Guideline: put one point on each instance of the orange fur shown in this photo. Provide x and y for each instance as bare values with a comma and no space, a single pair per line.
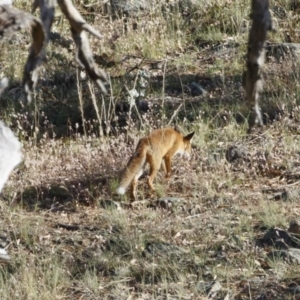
156,149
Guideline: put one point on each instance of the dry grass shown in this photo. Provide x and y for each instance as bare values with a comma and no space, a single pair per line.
71,237
208,234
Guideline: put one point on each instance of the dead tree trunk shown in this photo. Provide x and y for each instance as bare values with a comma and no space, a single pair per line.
261,23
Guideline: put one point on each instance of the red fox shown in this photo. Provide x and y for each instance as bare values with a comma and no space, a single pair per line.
156,149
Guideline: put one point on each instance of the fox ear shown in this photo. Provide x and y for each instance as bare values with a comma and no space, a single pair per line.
189,136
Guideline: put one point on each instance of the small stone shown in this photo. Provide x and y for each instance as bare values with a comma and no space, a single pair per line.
277,237
236,153
294,228
109,204
4,255
196,89
292,255
294,289
214,290
167,202
163,248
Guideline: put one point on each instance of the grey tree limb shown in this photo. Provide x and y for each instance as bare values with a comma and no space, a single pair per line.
12,20
83,55
253,81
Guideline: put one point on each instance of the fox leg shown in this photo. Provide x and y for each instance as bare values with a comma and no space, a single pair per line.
163,166
154,167
134,183
132,191
167,160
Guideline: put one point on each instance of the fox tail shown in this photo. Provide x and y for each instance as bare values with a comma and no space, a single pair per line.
134,166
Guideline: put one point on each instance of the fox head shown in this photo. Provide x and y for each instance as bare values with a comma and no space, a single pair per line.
187,144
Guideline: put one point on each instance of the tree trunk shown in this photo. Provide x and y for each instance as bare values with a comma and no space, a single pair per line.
252,77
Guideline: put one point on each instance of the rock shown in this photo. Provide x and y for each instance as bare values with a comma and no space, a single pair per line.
196,89
225,49
132,96
294,289
141,83
223,118
281,195
167,202
292,195
236,153
294,228
214,157
185,8
211,288
4,242
163,248
128,7
285,195
282,51
292,255
109,204
280,239
133,8
4,255
142,105
214,290
275,234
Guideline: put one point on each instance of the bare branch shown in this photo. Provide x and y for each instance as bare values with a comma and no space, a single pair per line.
76,21
31,70
84,55
255,58
12,20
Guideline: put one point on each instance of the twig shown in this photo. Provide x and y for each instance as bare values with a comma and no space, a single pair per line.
174,114
79,90
164,83
96,108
